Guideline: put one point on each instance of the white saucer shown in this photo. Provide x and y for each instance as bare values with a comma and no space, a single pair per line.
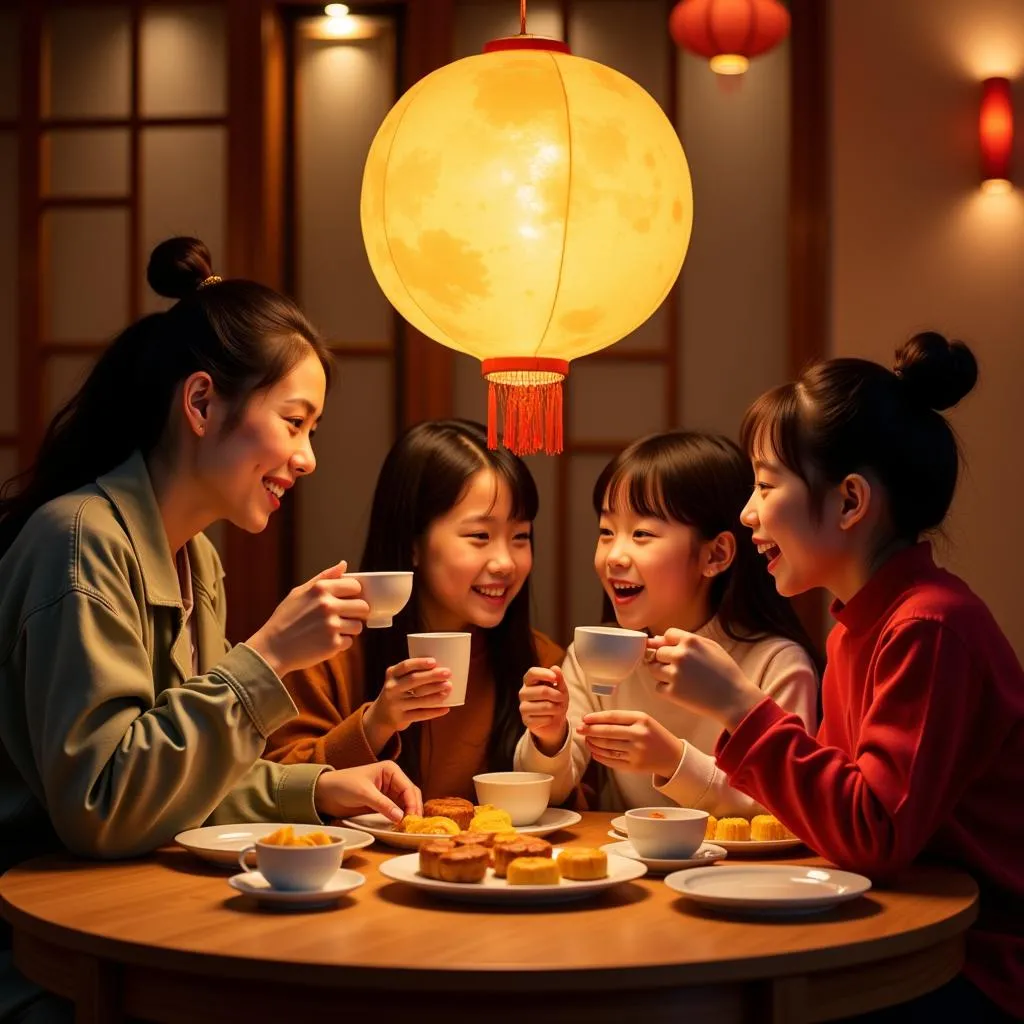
706,854
553,819
252,883
768,889
221,844
497,890
734,847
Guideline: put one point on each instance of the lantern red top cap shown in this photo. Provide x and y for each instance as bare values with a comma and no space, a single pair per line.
711,28
526,42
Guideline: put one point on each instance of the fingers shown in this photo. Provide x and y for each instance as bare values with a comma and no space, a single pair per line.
403,668
606,732
420,682
547,676
400,788
543,695
332,572
613,717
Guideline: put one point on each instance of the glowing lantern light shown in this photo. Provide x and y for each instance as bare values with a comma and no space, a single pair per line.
526,207
728,32
995,130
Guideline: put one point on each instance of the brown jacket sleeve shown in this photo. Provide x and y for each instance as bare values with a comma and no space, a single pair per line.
548,652
329,726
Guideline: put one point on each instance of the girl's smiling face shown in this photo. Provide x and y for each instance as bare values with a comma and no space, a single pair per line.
473,560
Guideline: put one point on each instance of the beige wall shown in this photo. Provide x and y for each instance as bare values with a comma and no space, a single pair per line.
917,245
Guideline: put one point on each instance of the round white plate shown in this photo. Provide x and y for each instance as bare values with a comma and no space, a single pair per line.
252,883
553,819
706,854
734,847
768,888
221,844
497,890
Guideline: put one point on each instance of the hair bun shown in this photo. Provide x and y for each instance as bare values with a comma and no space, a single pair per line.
178,266
937,372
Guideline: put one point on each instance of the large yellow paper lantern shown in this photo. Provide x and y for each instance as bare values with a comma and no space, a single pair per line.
527,207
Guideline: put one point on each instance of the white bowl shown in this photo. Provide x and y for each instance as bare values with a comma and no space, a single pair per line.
387,593
677,834
608,654
524,795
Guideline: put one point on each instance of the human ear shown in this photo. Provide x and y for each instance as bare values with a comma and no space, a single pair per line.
197,396
855,500
718,554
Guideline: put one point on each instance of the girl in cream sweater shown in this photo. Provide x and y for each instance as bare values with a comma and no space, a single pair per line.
667,554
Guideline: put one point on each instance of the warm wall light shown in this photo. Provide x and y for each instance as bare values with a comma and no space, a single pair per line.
336,10
728,32
995,133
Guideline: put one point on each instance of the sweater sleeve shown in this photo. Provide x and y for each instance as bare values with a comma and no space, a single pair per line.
791,681
328,728
875,811
568,764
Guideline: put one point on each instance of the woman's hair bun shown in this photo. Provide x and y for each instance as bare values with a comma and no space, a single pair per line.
178,266
936,372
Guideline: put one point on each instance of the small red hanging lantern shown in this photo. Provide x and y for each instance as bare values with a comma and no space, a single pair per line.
728,32
995,132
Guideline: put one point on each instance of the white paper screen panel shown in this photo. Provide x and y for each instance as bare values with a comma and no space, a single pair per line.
86,271
8,282
183,62
88,162
90,62
344,89
350,445
184,175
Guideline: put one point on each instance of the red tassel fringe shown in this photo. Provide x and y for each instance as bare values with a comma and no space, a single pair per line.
531,417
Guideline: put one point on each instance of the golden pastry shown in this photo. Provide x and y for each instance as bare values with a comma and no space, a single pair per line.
533,871
463,864
430,856
410,823
583,864
285,836
491,821
524,846
437,826
481,839
765,828
460,811
712,825
733,829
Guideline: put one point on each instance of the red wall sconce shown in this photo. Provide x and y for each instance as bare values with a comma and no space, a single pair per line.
728,32
995,134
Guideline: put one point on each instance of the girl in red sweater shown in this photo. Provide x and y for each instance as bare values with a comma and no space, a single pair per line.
921,744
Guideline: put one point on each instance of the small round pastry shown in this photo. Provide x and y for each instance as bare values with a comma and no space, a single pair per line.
523,846
460,811
766,827
430,856
733,830
583,864
491,821
438,826
464,864
712,825
533,871
481,839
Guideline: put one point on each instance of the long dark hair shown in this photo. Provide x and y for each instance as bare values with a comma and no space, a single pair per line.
850,415
704,481
423,477
244,335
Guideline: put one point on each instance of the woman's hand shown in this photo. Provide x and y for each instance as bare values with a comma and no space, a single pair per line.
317,619
544,707
411,692
695,672
631,741
381,786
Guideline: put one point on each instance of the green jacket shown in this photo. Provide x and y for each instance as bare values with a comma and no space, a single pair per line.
107,739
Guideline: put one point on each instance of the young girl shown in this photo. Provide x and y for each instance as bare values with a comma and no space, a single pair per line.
460,516
667,554
921,746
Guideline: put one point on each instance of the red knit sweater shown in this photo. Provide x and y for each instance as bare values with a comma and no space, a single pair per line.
920,751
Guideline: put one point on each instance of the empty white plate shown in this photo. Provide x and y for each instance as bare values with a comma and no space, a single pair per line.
768,888
221,844
252,883
706,854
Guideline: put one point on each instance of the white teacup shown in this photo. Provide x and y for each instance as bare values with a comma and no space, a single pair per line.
675,834
524,795
608,654
387,593
450,651
295,868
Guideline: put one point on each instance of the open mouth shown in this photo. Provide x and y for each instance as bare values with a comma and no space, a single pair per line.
624,591
275,490
771,552
494,594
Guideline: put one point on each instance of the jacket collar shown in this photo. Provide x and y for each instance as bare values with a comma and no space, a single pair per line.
130,491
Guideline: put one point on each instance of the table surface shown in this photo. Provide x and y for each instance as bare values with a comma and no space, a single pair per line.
174,911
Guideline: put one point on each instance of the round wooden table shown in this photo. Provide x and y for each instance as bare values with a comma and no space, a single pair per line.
166,939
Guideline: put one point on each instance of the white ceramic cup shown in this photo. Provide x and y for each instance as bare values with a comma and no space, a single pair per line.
450,651
387,593
608,654
524,795
676,835
295,868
